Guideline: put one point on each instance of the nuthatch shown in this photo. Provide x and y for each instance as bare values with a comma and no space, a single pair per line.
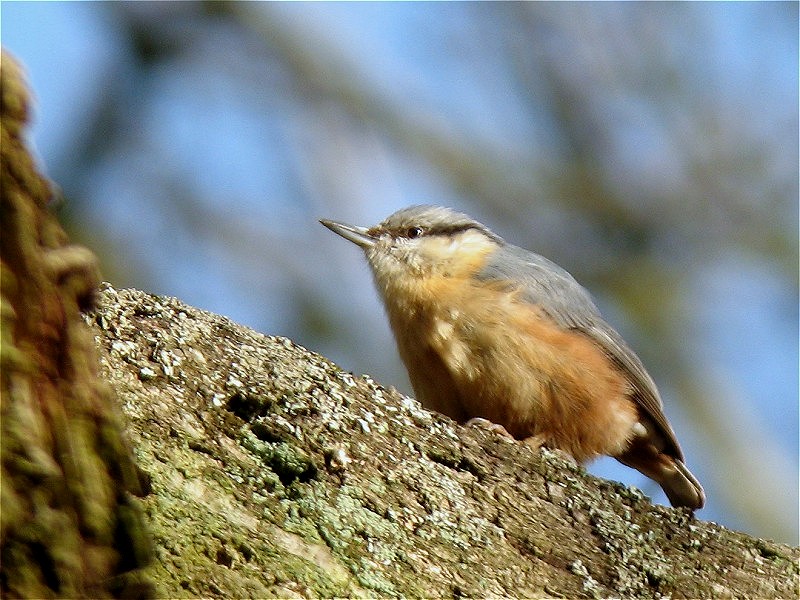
489,330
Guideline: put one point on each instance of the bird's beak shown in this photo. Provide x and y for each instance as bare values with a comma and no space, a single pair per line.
357,235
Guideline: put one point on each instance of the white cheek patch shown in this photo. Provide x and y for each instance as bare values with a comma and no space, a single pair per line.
460,244
470,241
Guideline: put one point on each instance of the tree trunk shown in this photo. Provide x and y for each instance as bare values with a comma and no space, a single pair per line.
68,526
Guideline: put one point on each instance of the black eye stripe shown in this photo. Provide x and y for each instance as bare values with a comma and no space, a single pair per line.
455,229
415,231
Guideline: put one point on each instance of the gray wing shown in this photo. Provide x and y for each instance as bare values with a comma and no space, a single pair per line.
564,300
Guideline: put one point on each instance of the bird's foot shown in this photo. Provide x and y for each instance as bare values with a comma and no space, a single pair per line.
487,425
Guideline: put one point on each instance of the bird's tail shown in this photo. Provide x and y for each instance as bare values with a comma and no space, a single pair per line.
677,481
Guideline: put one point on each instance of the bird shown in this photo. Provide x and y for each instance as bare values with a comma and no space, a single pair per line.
491,332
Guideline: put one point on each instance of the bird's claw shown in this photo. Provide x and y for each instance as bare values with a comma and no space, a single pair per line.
487,425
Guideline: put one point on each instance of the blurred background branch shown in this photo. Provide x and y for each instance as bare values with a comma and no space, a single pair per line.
651,149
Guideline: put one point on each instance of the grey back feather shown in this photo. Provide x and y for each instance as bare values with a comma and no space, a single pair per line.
570,305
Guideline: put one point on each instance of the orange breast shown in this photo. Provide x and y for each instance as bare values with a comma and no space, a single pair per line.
476,350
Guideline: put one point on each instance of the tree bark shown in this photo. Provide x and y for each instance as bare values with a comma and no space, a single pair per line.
275,473
69,526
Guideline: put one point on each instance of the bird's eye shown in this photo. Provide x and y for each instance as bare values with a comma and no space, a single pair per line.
413,232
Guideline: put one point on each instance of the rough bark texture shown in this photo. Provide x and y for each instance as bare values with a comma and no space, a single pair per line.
275,473
68,524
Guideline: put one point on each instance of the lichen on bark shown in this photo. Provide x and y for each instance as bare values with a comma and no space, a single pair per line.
276,474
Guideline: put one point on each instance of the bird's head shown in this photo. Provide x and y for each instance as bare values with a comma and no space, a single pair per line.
421,242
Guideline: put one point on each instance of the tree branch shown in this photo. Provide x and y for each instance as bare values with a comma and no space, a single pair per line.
275,473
